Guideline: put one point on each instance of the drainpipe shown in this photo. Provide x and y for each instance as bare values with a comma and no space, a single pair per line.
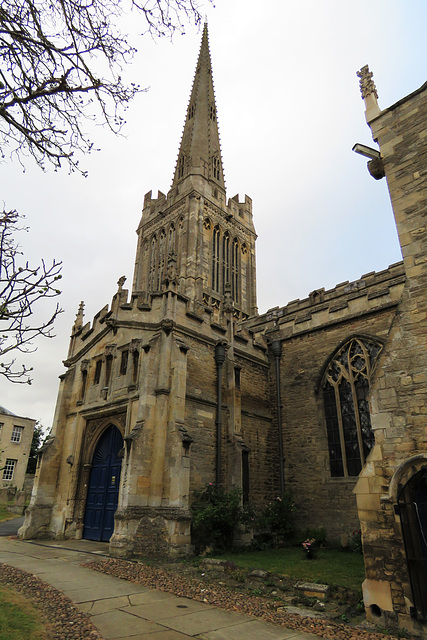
276,348
219,361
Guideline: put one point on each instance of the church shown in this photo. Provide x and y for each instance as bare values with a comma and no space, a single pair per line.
179,382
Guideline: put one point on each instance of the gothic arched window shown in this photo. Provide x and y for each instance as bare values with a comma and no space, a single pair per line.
153,265
225,261
181,165
215,258
235,271
161,268
171,240
216,167
345,391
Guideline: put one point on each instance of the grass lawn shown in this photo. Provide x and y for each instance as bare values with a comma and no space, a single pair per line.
19,620
5,514
330,566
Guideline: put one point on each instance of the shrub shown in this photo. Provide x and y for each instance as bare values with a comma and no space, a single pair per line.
356,541
278,518
216,515
317,534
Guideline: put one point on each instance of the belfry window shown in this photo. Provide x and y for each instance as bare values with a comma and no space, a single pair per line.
345,391
161,268
181,164
171,240
215,259
216,168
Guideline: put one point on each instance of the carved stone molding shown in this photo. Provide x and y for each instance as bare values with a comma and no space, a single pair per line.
367,85
167,325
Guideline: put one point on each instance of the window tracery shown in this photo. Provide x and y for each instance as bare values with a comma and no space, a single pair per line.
171,239
345,392
215,258
181,165
216,167
161,268
225,261
153,264
235,271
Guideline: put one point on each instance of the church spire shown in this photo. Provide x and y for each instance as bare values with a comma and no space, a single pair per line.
200,151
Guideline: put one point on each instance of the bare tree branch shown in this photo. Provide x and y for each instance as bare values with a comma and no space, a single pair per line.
51,55
21,289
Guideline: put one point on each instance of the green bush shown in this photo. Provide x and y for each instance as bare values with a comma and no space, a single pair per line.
278,518
318,534
356,541
216,515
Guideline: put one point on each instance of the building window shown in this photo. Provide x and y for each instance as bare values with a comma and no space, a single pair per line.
235,271
181,164
124,362
161,259
345,391
245,477
191,111
171,240
153,264
215,259
108,367
16,434
9,469
212,112
237,377
83,385
225,261
216,167
98,369
135,363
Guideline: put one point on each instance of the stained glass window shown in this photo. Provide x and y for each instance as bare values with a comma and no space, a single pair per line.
345,392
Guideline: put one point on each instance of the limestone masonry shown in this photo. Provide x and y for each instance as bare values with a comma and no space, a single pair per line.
180,382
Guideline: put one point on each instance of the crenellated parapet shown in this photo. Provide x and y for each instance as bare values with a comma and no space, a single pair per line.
374,291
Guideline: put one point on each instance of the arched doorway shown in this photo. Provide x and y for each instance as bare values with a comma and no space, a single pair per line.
412,502
103,489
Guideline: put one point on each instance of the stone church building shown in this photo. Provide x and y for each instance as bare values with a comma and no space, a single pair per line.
180,382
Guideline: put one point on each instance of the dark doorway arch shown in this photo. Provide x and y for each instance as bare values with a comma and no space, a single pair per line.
103,489
413,513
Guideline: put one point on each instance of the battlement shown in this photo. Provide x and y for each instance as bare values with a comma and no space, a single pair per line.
243,209
234,208
154,203
372,291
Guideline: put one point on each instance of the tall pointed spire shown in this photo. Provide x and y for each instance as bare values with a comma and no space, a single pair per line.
200,151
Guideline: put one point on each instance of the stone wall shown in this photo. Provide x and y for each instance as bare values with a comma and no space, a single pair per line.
310,331
399,394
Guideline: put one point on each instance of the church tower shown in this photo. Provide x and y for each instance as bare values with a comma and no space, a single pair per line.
192,238
166,390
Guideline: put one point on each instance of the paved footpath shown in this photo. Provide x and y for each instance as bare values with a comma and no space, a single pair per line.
122,610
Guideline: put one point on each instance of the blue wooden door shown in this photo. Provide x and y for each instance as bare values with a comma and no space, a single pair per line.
103,490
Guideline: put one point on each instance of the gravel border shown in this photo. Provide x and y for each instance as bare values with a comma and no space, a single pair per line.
64,620
173,582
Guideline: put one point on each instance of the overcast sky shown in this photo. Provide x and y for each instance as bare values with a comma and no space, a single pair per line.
289,111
